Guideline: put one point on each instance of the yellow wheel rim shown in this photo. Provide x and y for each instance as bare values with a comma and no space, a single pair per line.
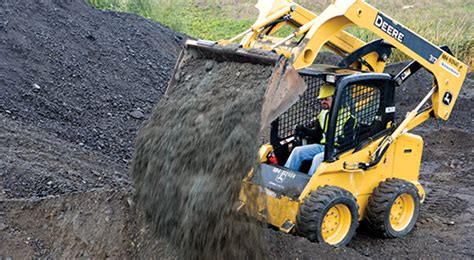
402,212
336,224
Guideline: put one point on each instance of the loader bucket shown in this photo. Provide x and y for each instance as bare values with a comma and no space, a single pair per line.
284,85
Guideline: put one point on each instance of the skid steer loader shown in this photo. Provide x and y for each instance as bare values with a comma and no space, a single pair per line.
372,173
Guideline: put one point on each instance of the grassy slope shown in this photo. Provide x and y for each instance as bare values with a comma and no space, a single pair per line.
444,22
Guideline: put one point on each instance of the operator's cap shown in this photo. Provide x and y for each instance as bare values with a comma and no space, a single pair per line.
326,90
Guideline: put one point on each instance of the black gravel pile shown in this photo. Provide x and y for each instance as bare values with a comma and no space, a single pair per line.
36,164
87,76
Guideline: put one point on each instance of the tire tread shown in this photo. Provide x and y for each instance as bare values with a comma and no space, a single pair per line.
313,209
380,202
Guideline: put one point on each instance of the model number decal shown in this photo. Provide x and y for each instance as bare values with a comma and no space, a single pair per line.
450,69
389,28
450,64
450,60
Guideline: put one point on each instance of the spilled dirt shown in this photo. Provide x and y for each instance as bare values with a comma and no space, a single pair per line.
76,84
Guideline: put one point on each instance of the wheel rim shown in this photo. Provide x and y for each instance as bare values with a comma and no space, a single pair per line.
402,212
336,224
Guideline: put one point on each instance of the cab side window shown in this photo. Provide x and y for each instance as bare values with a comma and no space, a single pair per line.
359,115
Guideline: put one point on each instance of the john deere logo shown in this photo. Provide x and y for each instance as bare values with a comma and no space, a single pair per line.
280,178
447,98
389,28
282,175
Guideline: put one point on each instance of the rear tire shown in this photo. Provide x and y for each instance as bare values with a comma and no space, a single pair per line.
328,215
393,208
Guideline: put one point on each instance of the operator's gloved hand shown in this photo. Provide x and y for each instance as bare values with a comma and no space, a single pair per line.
300,131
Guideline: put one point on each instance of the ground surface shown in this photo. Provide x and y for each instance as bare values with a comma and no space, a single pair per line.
75,85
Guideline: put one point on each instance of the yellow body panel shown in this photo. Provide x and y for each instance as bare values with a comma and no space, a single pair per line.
263,152
407,157
281,209
265,205
402,161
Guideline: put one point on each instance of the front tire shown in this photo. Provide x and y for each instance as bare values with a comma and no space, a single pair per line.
393,208
328,215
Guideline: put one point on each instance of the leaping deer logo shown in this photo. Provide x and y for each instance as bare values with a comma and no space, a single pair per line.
447,98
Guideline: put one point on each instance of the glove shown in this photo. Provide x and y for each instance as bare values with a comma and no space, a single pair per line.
300,131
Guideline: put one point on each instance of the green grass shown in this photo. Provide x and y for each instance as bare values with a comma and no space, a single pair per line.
204,21
443,22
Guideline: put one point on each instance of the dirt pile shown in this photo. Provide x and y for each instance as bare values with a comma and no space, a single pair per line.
87,76
193,154
94,224
36,164
106,224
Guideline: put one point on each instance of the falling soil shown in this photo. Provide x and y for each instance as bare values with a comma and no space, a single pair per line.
193,153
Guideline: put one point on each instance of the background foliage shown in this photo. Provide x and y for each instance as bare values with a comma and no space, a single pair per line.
443,22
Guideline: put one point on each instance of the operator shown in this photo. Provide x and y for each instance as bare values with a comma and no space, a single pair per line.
315,152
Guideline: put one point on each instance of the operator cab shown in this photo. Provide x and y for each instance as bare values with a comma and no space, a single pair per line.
367,97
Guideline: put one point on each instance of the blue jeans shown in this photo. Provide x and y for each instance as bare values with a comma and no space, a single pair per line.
299,154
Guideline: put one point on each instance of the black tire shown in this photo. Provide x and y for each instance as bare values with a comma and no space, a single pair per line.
309,221
380,205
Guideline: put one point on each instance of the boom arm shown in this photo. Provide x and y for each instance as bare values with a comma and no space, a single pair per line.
327,29
274,15
449,72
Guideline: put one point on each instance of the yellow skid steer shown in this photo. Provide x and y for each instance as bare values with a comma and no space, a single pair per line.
370,172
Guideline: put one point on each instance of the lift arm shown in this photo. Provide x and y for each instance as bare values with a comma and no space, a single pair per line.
274,15
449,73
327,29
